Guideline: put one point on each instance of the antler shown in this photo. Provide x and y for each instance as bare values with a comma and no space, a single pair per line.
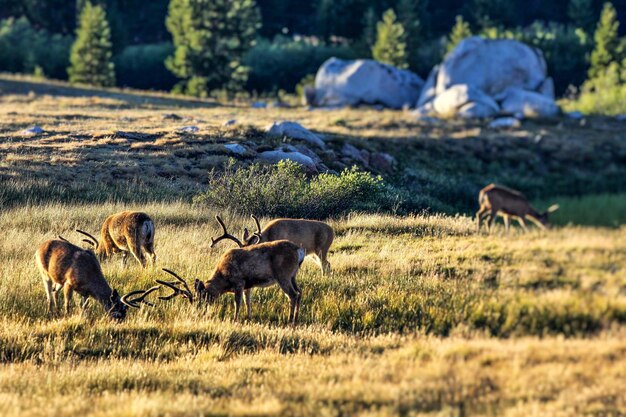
63,239
94,241
186,292
258,226
141,299
225,235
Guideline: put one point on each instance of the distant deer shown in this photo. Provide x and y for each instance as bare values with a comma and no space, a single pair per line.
66,266
314,236
239,270
496,200
128,231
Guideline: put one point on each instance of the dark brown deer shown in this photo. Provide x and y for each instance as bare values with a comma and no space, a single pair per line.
313,236
239,270
496,200
128,231
68,267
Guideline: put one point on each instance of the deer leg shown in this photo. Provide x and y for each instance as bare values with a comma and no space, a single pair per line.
67,293
295,286
522,223
248,295
149,249
479,217
48,285
492,217
83,305
507,223
294,296
238,298
324,263
137,253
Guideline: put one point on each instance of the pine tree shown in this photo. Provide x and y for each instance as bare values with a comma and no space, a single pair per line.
409,18
606,40
90,57
460,31
210,41
580,12
390,46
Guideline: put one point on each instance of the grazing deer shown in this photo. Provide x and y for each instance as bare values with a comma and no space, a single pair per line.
66,266
496,200
128,231
239,270
314,236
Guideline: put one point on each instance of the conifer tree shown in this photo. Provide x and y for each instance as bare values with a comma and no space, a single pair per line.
460,31
409,18
210,41
91,56
390,46
580,12
369,28
606,41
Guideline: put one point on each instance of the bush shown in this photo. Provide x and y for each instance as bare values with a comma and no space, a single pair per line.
143,66
604,94
284,190
22,49
281,64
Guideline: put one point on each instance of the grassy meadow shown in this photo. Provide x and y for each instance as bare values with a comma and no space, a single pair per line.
422,316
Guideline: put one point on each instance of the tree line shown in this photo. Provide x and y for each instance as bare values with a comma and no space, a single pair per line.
200,47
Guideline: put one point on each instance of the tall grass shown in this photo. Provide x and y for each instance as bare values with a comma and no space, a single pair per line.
607,210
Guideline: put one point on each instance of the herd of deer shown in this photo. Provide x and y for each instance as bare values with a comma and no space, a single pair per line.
271,255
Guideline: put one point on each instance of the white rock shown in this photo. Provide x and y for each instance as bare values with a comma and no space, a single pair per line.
528,103
353,153
364,81
259,105
492,66
236,148
505,122
32,131
576,115
475,110
276,156
621,117
449,102
189,129
429,91
230,122
295,131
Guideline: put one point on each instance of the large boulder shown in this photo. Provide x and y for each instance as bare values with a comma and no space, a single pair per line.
480,75
294,130
462,96
280,155
364,81
522,103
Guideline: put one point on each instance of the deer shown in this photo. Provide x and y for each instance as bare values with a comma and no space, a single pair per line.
127,231
497,200
65,266
240,269
312,235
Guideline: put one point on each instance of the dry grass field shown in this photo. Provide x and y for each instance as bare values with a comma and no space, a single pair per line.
422,316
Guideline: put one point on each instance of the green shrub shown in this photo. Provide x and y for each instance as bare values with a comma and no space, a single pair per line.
285,190
143,66
281,64
604,94
22,49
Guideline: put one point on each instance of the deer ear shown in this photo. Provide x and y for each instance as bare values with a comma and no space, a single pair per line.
254,240
114,295
198,286
246,234
553,208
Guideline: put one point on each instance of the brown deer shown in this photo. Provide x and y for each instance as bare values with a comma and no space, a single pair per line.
128,231
66,266
239,270
496,200
314,236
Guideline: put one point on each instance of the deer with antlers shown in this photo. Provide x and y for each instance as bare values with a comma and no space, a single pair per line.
496,200
313,236
68,267
128,231
239,270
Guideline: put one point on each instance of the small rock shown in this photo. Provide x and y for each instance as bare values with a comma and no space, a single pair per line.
230,122
353,153
276,156
308,152
295,131
259,105
576,115
171,116
505,122
236,148
189,129
32,131
382,161
278,105
621,117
